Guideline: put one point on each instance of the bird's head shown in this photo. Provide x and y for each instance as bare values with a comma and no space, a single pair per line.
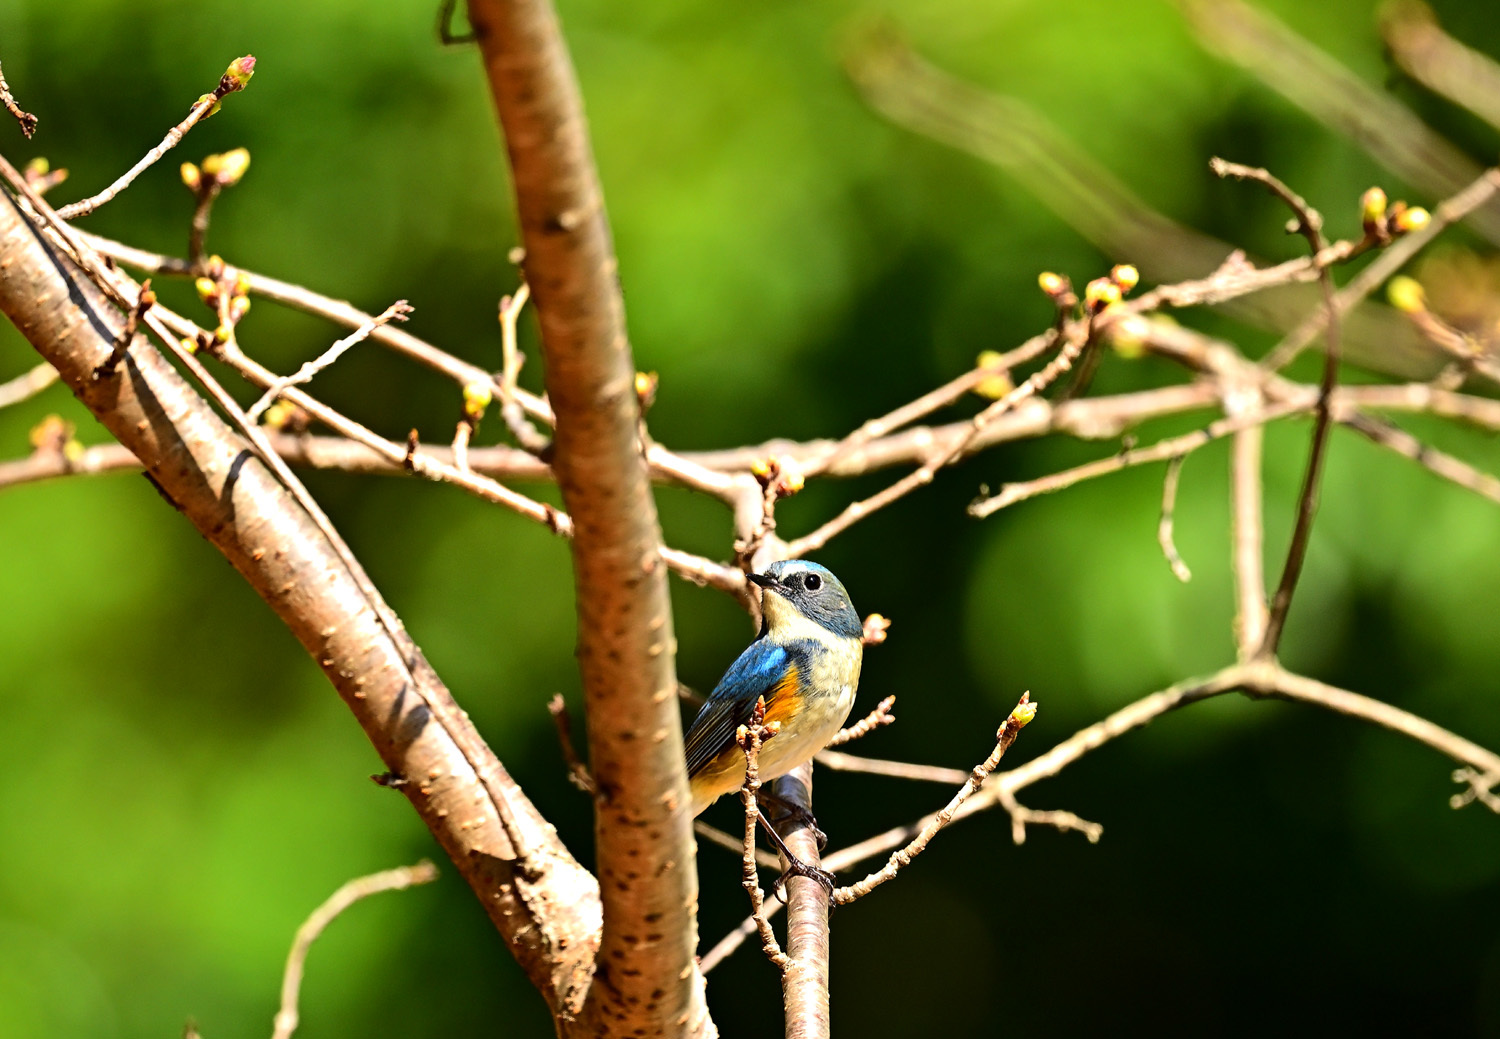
796,590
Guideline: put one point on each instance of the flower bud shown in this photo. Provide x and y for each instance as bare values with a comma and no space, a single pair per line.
239,306
1101,292
1410,220
477,397
876,629
51,433
1406,295
1024,713
646,384
208,291
1052,284
1372,208
229,167
1128,336
191,177
1125,276
237,76
996,383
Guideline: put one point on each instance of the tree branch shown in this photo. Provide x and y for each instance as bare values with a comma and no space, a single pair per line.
544,903
647,980
398,879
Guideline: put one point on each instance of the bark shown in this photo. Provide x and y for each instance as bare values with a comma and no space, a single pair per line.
647,982
545,905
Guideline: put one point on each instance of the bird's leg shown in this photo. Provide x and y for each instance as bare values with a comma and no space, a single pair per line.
788,810
795,866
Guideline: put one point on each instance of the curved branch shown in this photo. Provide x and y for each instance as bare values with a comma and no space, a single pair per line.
542,901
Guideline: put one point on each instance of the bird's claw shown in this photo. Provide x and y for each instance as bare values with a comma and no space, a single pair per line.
795,812
798,868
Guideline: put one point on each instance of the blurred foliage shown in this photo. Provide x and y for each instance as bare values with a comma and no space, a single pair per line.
184,787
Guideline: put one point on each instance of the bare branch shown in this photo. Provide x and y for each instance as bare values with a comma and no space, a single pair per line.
398,879
1309,224
1391,260
397,311
578,773
931,401
1162,450
750,738
841,762
1073,342
234,79
804,984
1247,530
543,903
338,311
626,648
1314,80
1468,78
1023,713
24,387
26,119
1390,436
880,716
1164,525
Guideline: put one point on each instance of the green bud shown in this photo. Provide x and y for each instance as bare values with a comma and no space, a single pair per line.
477,397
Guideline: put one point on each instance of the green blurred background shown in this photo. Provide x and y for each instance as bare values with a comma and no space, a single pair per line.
184,787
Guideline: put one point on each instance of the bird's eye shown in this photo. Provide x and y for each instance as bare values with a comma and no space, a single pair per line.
814,582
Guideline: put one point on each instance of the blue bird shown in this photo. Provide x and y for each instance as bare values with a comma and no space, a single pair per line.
805,662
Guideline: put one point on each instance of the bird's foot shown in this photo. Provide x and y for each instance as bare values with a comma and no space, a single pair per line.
798,814
795,866
798,868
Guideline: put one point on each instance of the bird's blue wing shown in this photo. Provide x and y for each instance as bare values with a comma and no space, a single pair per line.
758,672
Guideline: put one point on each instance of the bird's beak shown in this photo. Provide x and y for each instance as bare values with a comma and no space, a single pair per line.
762,580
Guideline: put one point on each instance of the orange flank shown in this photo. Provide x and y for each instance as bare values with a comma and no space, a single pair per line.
782,702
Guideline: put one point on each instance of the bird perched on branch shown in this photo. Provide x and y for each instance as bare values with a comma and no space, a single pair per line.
805,662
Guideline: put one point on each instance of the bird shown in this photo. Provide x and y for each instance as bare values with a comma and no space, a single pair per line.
805,663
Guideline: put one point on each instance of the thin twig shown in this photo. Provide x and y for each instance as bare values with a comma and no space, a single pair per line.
1467,77
1310,225
27,385
26,119
750,737
397,311
234,79
841,762
1391,260
511,411
880,716
1389,435
1259,678
1018,719
398,879
203,207
1247,531
338,311
1074,342
1162,450
1164,525
931,401
578,773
